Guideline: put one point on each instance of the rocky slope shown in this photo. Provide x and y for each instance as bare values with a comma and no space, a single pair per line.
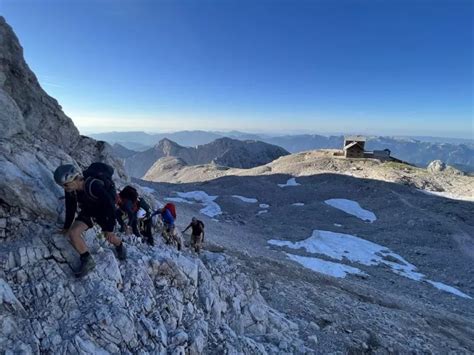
287,235
159,301
223,151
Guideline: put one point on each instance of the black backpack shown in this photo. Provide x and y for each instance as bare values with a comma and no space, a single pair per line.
102,172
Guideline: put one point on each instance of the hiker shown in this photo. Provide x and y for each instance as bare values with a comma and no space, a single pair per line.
168,216
197,235
138,212
94,192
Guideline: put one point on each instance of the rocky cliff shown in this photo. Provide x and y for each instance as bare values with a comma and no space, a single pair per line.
36,136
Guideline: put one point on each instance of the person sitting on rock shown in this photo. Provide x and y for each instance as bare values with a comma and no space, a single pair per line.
96,200
197,235
168,216
138,212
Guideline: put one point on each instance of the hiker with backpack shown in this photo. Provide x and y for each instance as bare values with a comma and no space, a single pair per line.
197,235
138,212
93,191
168,216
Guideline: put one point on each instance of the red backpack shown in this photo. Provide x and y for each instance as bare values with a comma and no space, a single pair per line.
172,208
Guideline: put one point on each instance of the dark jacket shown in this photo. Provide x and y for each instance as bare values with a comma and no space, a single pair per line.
197,227
102,207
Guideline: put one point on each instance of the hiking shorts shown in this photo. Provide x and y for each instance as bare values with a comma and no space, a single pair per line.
196,238
89,221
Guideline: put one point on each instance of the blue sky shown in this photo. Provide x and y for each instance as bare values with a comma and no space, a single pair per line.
371,67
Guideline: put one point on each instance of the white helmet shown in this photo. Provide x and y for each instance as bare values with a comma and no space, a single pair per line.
141,213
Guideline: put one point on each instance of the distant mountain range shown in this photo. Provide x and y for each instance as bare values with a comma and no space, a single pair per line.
223,151
419,151
141,141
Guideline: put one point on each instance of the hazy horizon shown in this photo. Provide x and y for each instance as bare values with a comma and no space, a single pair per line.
276,134
401,68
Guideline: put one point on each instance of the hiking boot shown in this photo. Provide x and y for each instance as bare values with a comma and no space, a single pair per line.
87,265
150,241
121,252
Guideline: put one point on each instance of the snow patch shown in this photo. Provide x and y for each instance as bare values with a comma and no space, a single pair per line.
443,287
341,246
324,266
351,207
298,204
246,199
262,211
337,225
211,209
263,205
290,182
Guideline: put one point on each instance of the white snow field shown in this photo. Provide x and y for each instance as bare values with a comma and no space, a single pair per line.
341,246
325,267
211,209
246,199
351,207
290,182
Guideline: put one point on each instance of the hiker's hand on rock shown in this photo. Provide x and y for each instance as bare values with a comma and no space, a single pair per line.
109,236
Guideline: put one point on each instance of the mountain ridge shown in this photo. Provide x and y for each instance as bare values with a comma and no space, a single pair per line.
409,149
222,151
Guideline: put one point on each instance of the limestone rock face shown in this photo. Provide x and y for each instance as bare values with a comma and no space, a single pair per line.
36,136
42,115
158,301
436,166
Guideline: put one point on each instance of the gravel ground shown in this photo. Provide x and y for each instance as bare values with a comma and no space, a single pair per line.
379,312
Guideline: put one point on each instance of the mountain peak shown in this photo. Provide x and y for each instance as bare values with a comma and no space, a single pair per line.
167,146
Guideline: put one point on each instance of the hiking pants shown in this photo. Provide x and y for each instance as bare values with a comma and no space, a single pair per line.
196,242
